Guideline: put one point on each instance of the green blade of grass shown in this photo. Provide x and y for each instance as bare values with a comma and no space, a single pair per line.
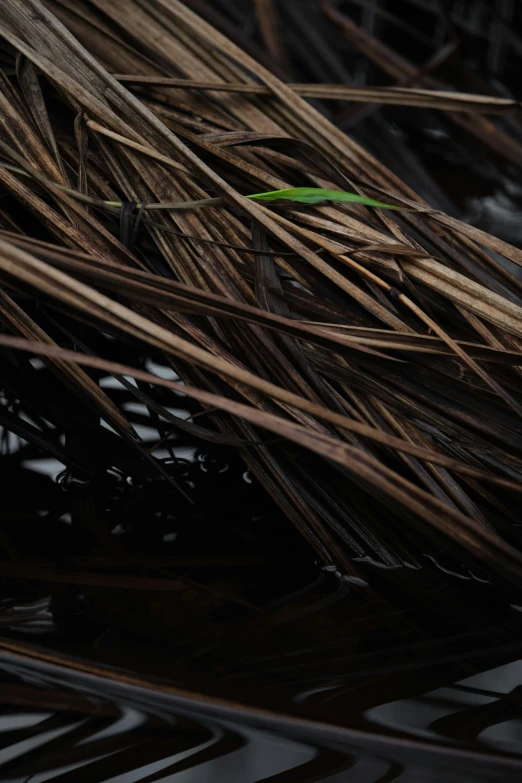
317,195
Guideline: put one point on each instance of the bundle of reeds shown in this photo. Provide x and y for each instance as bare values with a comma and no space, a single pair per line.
181,229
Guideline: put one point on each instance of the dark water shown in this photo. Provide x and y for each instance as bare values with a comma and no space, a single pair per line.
102,684
83,728
309,677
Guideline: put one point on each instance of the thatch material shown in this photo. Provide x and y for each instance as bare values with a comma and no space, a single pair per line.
396,357
349,375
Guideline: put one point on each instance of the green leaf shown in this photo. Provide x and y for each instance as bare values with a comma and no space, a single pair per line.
317,195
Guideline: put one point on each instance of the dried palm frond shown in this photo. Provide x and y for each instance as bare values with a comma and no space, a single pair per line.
192,256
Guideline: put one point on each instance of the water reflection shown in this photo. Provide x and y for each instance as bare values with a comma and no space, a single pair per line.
64,725
408,671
